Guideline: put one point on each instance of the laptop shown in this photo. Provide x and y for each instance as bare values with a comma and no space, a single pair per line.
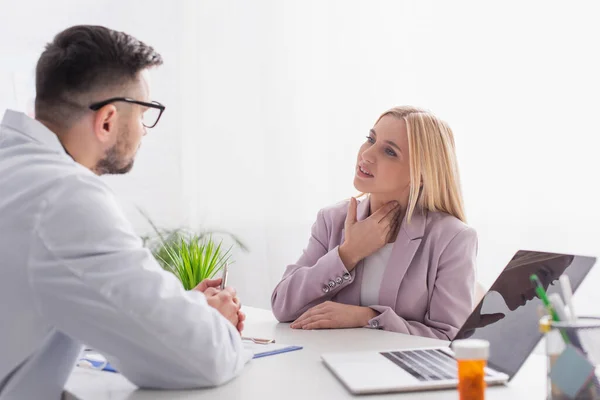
507,316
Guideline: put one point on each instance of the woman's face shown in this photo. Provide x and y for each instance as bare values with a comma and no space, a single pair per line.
382,166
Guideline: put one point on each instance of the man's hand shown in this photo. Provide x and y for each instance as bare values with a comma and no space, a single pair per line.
208,283
330,315
211,289
226,302
241,319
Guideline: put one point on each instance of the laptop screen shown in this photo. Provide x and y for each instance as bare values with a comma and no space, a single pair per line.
509,313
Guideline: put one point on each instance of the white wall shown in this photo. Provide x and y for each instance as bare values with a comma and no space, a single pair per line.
268,102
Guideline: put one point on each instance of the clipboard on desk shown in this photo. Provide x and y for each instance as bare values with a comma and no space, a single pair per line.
93,360
98,362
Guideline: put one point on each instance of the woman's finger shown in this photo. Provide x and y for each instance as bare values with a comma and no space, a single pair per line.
308,314
311,320
320,324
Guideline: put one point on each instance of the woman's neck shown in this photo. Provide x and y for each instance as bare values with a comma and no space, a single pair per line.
378,201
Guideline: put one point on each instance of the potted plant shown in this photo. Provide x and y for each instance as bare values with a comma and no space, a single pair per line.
191,256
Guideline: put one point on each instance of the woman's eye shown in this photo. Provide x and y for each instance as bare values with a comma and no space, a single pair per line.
370,139
390,152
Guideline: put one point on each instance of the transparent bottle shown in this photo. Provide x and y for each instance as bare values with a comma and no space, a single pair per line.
471,356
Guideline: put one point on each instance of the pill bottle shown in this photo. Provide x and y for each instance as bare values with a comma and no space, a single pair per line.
471,356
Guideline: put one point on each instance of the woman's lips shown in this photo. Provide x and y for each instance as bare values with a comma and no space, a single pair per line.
363,172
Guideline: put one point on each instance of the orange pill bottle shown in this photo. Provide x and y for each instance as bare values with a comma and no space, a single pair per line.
471,356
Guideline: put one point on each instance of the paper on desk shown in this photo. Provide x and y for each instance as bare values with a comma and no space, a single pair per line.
97,361
264,350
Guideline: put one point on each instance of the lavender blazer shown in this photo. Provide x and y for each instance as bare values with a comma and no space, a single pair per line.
427,287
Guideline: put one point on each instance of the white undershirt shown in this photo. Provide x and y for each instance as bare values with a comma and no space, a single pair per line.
373,268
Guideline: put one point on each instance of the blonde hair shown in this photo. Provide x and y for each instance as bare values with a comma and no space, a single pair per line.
434,177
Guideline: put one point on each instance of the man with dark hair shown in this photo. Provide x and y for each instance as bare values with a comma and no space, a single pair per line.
74,272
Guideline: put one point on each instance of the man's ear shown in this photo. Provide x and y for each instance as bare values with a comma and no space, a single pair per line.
105,124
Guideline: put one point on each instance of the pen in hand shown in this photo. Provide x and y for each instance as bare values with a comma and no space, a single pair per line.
224,276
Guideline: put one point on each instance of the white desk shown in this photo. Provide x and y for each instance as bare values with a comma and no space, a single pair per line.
299,374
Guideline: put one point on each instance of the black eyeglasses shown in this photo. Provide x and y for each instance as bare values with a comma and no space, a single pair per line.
151,115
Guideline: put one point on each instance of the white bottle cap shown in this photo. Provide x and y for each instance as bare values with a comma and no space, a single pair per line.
471,349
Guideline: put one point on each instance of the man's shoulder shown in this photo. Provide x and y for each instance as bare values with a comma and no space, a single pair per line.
81,191
60,188
34,175
85,209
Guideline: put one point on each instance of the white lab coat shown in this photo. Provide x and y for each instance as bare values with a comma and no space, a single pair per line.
73,271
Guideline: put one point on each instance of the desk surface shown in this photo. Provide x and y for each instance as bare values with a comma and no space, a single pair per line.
300,374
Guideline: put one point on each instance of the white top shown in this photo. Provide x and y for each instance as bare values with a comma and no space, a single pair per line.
74,271
373,268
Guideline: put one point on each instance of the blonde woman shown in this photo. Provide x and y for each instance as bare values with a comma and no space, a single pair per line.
402,259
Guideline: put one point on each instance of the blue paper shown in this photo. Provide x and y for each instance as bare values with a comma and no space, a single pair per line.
96,364
571,371
109,368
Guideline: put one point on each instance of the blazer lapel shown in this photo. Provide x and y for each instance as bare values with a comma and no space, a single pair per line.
352,294
405,247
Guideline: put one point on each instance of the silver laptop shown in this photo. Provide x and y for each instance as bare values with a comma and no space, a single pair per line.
507,316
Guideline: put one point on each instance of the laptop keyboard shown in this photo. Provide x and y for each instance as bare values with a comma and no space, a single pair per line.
425,365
